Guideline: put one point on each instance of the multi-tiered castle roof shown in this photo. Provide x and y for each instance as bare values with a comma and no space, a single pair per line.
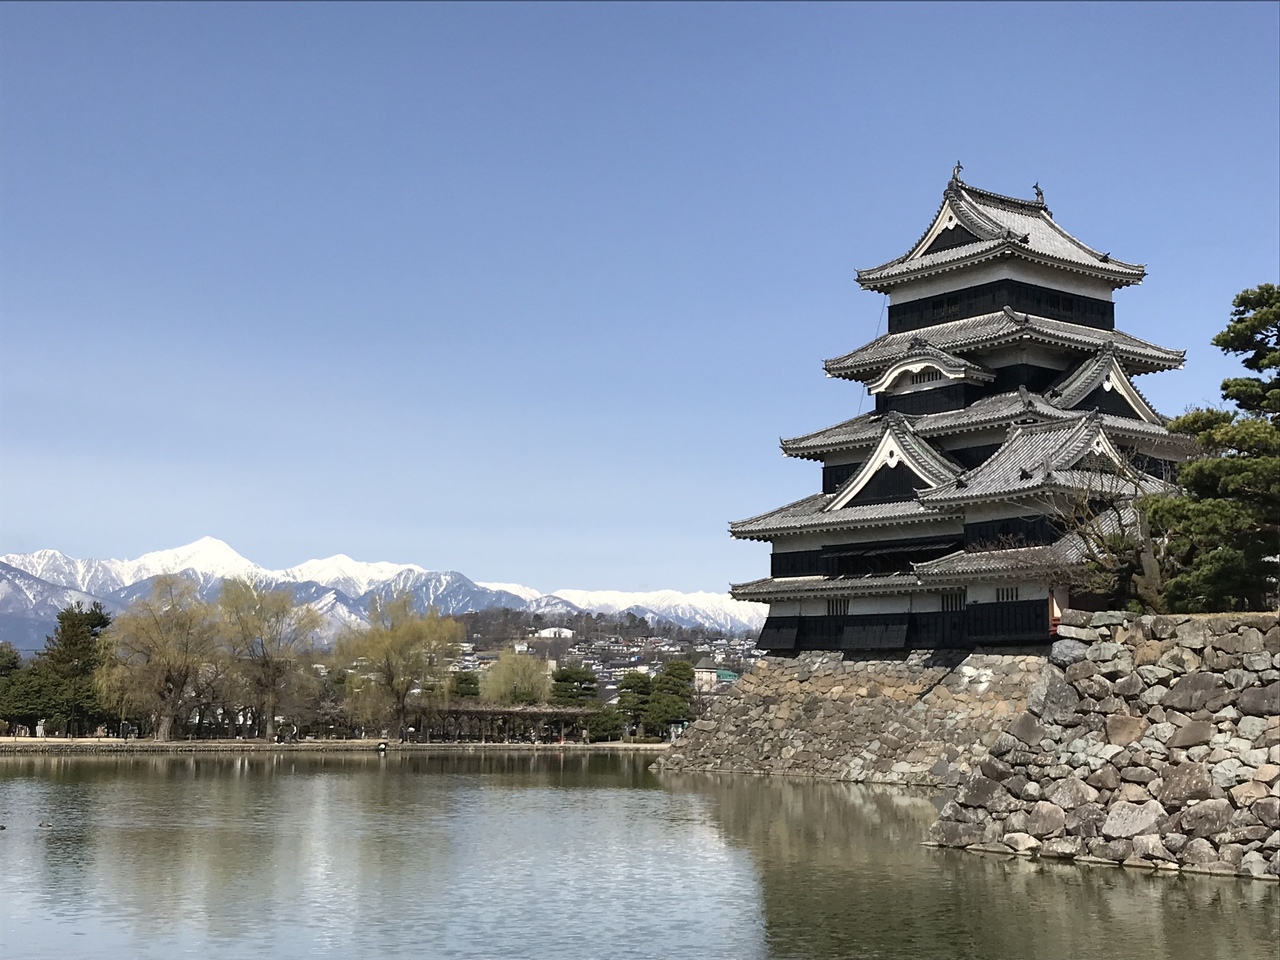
1004,399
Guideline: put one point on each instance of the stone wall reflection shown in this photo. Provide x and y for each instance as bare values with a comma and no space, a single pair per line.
843,874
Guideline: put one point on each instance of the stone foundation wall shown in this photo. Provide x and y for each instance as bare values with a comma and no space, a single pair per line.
1152,742
884,720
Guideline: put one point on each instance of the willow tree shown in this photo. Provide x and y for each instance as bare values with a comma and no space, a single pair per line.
154,652
516,678
399,660
265,632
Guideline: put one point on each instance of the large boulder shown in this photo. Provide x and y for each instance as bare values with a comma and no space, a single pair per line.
1184,782
1123,730
1129,686
1198,850
1106,777
986,793
949,833
1066,848
1027,729
1251,728
1071,793
1261,701
1052,698
1248,793
1086,820
1193,691
1206,818
1067,651
1194,733
1045,819
1268,811
1126,820
1020,842
1104,650
1149,847
1094,687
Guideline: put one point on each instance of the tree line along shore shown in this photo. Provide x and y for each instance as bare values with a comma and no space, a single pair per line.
247,667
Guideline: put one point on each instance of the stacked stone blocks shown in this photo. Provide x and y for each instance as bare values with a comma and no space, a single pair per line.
1152,742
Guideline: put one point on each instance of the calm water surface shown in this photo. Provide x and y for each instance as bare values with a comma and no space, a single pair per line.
546,857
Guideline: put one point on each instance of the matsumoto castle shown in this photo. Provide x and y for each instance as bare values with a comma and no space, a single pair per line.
1003,395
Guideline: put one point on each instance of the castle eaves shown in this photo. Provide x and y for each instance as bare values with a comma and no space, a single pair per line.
998,329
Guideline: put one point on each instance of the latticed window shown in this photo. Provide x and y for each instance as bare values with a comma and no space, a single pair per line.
926,376
1006,594
953,602
838,608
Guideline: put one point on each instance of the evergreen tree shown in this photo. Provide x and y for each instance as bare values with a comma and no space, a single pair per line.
10,659
70,658
1219,536
633,697
671,701
465,684
573,687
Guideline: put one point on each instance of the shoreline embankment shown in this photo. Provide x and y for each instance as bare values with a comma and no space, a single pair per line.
1150,742
104,746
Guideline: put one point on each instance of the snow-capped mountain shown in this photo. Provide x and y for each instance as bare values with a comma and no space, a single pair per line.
35,586
352,577
716,611
523,592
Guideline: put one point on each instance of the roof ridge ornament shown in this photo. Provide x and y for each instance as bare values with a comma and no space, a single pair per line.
1039,193
1022,319
955,173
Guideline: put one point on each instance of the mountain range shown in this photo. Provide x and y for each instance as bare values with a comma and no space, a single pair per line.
35,586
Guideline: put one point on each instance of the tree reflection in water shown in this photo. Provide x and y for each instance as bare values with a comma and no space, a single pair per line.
550,855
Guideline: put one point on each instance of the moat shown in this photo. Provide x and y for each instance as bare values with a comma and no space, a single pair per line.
547,855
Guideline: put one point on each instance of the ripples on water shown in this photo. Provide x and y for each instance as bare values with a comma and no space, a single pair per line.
512,855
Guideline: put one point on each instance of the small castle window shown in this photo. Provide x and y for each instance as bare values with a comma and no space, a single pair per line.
838,608
953,602
1006,594
926,376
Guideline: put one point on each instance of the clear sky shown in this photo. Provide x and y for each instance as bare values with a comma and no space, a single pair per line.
532,291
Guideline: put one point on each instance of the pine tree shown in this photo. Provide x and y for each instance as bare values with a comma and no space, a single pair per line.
70,658
1221,534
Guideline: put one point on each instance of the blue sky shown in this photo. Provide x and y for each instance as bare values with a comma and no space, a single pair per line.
532,291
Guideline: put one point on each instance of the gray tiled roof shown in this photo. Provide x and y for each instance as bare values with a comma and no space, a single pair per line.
810,514
786,588
979,563
1087,377
919,348
1038,459
928,462
994,411
1069,551
1003,226
862,430
996,329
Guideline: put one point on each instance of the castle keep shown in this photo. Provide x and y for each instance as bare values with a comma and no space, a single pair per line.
1004,403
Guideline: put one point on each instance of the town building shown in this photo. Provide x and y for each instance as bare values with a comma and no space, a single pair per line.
951,514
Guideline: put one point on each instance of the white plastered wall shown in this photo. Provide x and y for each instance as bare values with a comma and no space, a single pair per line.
986,592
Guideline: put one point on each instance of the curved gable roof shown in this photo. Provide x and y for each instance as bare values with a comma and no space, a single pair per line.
999,226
